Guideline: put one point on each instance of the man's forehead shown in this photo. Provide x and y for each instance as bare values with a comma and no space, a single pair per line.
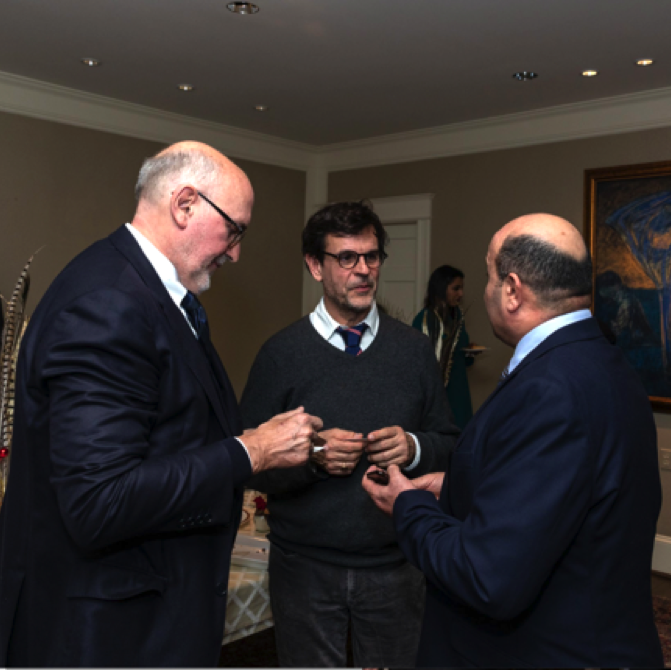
349,241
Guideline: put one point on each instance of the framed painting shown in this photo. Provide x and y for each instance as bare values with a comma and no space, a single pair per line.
628,231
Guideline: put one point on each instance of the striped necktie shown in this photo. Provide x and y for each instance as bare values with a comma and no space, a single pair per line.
352,337
195,312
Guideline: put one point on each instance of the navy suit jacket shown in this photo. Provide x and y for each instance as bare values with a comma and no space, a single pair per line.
125,488
538,552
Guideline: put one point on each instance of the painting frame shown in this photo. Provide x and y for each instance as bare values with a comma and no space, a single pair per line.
602,188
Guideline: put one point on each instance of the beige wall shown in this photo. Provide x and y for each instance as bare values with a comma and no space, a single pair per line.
65,187
476,194
262,293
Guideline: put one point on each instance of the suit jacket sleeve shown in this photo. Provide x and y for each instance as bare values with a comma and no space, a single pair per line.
103,374
265,396
532,495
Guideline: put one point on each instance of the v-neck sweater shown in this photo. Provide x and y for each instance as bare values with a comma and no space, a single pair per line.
394,382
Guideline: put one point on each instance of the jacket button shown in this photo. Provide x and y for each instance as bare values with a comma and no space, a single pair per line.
222,589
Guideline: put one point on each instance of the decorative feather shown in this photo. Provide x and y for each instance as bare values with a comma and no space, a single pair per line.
13,326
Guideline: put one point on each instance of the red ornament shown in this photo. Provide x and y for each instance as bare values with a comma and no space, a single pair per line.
260,504
4,452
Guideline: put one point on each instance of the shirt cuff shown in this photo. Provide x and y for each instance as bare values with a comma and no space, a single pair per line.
245,448
418,453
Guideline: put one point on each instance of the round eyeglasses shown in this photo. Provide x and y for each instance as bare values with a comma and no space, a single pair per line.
349,259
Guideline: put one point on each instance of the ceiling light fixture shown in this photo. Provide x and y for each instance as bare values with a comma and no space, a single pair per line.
524,76
589,73
185,87
644,62
261,108
242,8
91,62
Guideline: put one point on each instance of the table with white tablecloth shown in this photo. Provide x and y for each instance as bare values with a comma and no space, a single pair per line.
248,609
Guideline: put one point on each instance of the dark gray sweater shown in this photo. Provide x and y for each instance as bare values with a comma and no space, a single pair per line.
394,382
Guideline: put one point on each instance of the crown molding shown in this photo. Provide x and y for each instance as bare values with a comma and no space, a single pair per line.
607,116
29,97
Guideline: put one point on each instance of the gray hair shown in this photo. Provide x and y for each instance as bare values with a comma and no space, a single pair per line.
189,166
552,274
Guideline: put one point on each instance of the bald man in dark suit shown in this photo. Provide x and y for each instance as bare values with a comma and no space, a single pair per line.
537,543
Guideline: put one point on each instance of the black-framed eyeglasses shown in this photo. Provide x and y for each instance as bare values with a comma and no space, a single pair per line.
349,259
240,231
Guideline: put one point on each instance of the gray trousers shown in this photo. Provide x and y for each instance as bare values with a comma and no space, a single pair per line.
315,603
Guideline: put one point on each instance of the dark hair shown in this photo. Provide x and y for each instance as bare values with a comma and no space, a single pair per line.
440,279
342,219
551,274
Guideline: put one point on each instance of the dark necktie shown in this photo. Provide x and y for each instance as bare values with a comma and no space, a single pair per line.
352,337
195,312
198,319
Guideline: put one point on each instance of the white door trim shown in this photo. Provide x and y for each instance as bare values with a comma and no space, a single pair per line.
661,555
411,209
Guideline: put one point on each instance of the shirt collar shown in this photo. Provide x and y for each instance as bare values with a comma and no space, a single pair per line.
326,325
164,268
540,333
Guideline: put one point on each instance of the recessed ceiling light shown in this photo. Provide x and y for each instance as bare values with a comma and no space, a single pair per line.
242,7
91,62
524,76
589,73
185,87
644,62
261,108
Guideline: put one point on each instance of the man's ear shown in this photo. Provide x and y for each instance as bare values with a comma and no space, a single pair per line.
314,266
513,292
182,200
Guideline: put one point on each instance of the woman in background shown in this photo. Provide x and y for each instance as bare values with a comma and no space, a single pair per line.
443,322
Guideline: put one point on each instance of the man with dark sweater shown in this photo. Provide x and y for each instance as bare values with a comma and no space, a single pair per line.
335,562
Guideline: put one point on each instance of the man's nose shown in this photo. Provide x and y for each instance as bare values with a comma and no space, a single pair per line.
233,254
361,266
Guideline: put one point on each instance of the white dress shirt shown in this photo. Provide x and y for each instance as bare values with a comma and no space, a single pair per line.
165,270
540,333
327,327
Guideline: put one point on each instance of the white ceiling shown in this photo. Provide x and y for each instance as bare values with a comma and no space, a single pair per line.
334,71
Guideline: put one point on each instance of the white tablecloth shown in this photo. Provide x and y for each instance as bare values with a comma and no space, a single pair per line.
248,609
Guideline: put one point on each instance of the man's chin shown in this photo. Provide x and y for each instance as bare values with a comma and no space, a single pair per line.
362,304
202,282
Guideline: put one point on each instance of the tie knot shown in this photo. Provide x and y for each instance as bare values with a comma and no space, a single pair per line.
352,337
195,312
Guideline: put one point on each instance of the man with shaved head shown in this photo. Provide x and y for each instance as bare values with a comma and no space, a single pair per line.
537,543
125,492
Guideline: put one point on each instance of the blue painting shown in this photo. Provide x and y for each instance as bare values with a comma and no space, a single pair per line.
631,248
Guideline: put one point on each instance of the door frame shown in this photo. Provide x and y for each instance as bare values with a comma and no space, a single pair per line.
417,210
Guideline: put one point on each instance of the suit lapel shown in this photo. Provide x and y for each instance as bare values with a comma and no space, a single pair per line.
188,346
587,329
224,386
